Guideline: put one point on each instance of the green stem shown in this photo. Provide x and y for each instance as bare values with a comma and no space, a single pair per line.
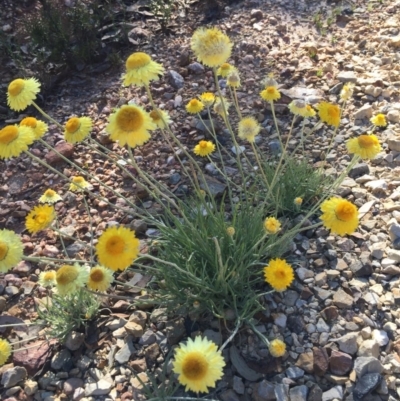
46,115
276,123
44,258
61,238
260,335
90,227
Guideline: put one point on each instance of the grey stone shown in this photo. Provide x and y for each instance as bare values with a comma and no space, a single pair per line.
282,392
348,343
303,273
366,384
238,385
381,337
229,395
175,330
174,178
347,76
214,336
30,387
241,366
175,79
365,111
264,391
274,147
294,372
322,327
74,340
71,384
315,392
73,249
79,393
342,299
393,116
361,268
367,364
101,387
290,298
147,338
196,68
369,348
61,360
213,186
124,354
298,393
335,393
13,376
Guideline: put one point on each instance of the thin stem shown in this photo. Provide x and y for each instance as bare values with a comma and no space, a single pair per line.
233,334
276,123
22,341
46,115
90,227
44,258
261,167
71,237
260,335
61,238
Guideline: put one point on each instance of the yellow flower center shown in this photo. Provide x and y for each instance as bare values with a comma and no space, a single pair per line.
195,366
29,122
41,218
345,211
49,193
366,141
194,103
72,125
8,134
78,180
333,111
97,275
115,245
3,250
129,119
155,115
203,144
66,274
137,60
225,67
49,276
280,274
271,90
16,87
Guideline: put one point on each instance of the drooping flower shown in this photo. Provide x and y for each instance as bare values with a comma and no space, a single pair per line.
14,140
339,215
298,201
47,279
130,125
160,118
117,248
230,231
5,351
141,70
302,109
379,120
207,98
22,92
194,106
78,184
278,274
329,113
204,148
270,93
70,278
77,129
272,225
11,250
199,364
277,348
224,69
100,278
248,129
365,146
218,106
39,218
211,46
233,79
39,127
50,196
347,91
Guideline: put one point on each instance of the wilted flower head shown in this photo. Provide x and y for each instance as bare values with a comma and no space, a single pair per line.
301,108
233,78
277,348
160,118
230,231
100,278
248,129
70,278
78,184
207,98
47,279
218,106
224,70
347,91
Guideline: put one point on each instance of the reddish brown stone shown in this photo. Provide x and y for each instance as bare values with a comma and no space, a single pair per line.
330,313
64,148
340,363
321,360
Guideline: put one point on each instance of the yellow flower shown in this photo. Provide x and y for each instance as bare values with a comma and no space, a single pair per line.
302,109
204,148
329,113
117,248
77,129
194,106
224,69
39,218
141,70
199,364
248,129
160,118
233,79
14,140
379,120
70,278
339,215
277,348
207,98
211,46
47,279
5,351
50,196
22,92
272,225
11,250
78,184
100,278
130,125
365,146
347,91
230,231
298,201
39,127
270,93
278,274
218,108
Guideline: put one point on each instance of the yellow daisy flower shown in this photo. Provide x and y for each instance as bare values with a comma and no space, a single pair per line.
339,215
5,351
230,231
130,125
347,91
365,146
11,250
22,92
100,278
47,279
14,140
77,129
39,127
204,148
207,98
194,106
78,184
298,201
329,113
379,120
277,348
278,274
270,94
272,225
160,118
141,70
70,278
248,129
39,218
233,79
117,248
211,46
218,106
50,196
224,70
199,364
302,109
